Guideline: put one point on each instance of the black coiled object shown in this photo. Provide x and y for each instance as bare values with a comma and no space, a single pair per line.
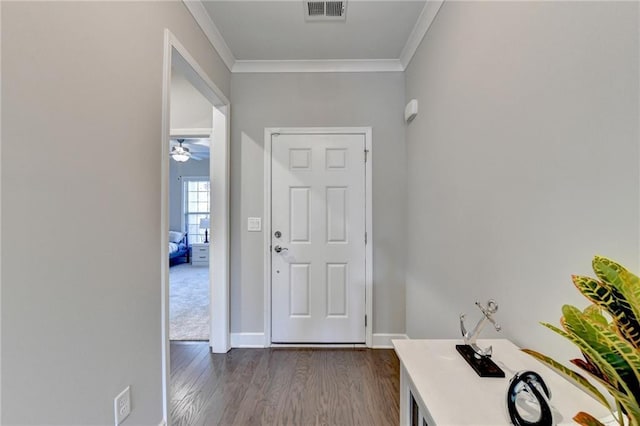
532,383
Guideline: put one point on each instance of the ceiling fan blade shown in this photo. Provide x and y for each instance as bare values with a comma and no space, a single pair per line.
200,149
195,157
190,141
199,142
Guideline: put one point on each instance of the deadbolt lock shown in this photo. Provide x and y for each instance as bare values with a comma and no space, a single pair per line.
277,234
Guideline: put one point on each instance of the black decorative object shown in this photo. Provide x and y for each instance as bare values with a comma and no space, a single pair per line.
204,224
530,386
483,365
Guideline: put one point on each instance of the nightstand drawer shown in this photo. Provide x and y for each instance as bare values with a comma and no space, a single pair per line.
200,254
200,250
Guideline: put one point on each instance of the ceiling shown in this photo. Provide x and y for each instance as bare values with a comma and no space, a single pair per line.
277,30
273,36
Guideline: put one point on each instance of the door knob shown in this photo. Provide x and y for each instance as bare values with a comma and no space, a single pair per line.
279,249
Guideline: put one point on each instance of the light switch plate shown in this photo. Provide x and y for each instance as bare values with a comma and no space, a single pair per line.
254,224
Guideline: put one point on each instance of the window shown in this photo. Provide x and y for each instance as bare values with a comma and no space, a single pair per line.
196,206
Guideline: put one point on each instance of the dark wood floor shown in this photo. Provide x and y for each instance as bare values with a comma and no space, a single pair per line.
283,386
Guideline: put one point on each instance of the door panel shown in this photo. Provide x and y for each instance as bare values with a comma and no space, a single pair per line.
299,289
318,204
337,219
337,289
299,214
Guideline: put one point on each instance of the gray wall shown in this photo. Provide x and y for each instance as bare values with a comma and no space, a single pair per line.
176,171
317,100
523,161
82,83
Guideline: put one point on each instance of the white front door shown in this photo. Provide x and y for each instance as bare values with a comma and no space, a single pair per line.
318,238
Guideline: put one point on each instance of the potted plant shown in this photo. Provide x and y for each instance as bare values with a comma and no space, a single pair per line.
608,334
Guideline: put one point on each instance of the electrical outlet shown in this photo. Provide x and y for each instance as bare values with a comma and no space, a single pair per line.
122,405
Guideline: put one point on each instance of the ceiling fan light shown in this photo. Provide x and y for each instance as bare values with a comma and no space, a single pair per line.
180,153
180,157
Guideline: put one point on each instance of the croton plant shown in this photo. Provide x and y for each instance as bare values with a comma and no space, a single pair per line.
607,333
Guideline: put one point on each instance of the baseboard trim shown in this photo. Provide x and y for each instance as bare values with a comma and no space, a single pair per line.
247,340
383,341
320,345
256,340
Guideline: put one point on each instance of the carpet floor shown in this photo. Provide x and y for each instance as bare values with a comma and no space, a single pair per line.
188,302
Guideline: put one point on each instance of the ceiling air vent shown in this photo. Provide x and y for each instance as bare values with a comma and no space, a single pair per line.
325,10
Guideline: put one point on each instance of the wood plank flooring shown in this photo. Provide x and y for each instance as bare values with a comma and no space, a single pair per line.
282,386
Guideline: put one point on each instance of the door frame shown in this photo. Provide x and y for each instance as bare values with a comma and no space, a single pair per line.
176,55
367,133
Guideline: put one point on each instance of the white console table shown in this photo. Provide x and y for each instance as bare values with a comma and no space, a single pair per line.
447,391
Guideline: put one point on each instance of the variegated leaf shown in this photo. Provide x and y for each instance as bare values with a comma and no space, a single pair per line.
614,384
610,299
626,401
615,350
570,374
610,372
621,278
587,359
594,312
588,367
585,419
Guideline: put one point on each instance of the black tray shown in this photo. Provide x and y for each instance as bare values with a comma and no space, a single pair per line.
483,365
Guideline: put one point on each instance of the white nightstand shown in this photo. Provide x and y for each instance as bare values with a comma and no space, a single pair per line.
200,254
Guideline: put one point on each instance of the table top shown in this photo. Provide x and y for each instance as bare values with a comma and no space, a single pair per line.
455,395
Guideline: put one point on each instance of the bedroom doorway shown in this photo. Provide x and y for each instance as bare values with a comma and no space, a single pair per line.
191,119
189,216
201,232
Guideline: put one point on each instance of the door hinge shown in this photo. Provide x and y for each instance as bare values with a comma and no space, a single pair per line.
365,320
366,154
365,238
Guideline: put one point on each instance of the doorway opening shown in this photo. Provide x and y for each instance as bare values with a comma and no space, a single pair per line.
189,242
191,119
201,230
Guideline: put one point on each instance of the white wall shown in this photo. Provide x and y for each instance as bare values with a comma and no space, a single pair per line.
523,161
189,109
82,84
176,172
318,100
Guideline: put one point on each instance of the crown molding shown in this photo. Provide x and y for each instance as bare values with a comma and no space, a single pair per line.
428,14
320,65
210,30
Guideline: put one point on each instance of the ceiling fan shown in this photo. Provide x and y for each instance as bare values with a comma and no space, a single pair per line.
196,150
